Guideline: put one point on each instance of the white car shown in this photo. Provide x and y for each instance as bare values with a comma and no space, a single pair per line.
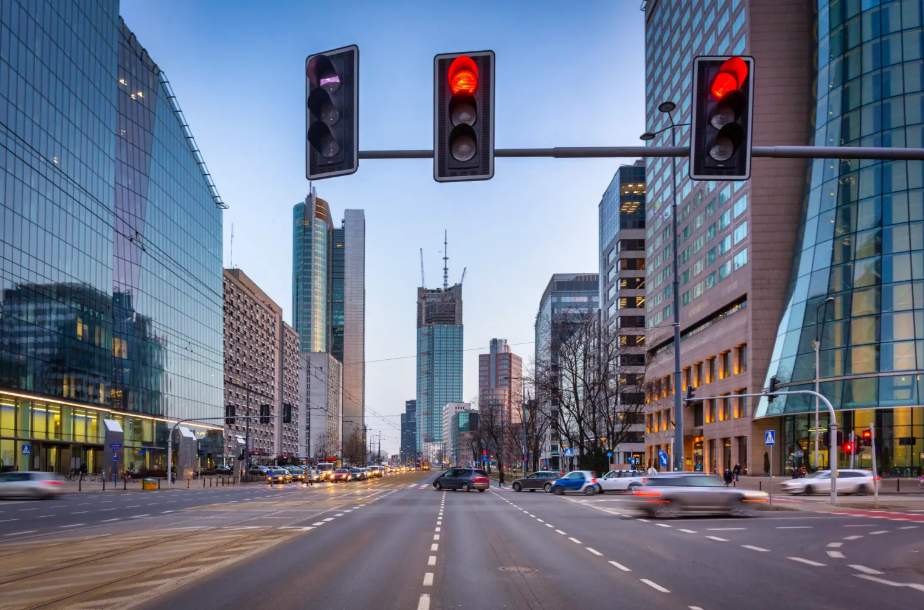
848,482
622,480
32,485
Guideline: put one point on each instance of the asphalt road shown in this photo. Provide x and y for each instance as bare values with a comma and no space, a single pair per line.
397,543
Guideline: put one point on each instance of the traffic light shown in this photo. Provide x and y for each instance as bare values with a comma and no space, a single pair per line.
772,388
230,413
723,102
264,414
286,413
332,113
867,438
848,447
463,116
690,399
826,439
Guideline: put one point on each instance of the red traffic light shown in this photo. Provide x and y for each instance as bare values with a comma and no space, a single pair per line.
848,447
463,75
730,78
867,434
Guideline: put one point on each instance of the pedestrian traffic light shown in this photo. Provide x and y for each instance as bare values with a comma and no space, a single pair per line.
229,414
848,447
826,439
332,113
723,102
463,116
772,388
286,413
264,414
867,438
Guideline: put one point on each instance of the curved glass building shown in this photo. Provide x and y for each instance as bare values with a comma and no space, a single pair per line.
857,282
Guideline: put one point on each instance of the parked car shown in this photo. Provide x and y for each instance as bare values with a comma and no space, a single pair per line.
667,497
542,479
257,471
33,485
848,482
464,479
342,475
622,480
278,475
583,481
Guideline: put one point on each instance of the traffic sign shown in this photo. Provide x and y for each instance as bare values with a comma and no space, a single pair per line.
26,449
569,452
115,457
770,437
609,454
115,445
484,458
662,456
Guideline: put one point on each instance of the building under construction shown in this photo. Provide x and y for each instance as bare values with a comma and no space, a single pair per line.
439,354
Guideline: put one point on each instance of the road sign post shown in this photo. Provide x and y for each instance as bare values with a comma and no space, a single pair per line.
663,458
770,441
872,451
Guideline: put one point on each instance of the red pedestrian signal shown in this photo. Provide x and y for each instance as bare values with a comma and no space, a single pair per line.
463,116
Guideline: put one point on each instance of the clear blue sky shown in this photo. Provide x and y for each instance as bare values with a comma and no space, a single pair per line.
568,74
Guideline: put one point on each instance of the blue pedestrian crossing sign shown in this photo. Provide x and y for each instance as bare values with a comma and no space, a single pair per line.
662,455
26,449
770,437
569,452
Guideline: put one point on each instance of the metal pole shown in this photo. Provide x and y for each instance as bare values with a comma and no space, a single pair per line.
678,405
853,441
523,421
770,487
872,438
817,346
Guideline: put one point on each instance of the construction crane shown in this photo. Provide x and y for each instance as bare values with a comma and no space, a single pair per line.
464,269
423,282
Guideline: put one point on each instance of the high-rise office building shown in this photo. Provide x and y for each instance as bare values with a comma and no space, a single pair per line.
500,383
328,296
110,250
439,358
735,239
567,299
859,243
622,290
320,390
409,432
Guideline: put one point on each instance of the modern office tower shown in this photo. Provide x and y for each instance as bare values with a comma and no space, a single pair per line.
111,241
735,239
622,290
461,450
311,245
449,411
500,383
567,297
320,391
409,432
439,358
261,368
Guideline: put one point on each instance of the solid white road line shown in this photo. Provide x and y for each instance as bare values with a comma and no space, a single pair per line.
716,538
686,531
835,555
424,603
428,579
594,551
620,566
432,560
755,548
654,585
864,569
806,561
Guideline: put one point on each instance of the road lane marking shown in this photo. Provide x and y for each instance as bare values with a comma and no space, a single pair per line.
540,520
434,547
716,538
643,520
835,545
432,560
594,551
835,555
891,583
852,537
864,569
909,527
806,561
861,525
8,520
687,531
755,548
424,603
561,532
723,529
663,525
654,585
879,532
436,529
21,533
108,520
575,540
25,509
436,536
428,579
81,512
73,525
549,525
140,516
318,523
134,506
794,527
620,566
328,519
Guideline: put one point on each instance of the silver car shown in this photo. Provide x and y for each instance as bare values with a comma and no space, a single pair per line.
848,482
622,480
666,497
31,485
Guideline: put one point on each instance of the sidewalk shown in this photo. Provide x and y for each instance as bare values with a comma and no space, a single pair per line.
73,487
891,486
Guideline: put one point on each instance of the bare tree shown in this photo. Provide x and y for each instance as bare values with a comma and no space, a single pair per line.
354,449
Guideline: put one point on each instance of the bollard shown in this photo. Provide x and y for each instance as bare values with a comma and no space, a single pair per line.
158,484
124,483
898,484
203,481
79,483
187,483
760,485
104,484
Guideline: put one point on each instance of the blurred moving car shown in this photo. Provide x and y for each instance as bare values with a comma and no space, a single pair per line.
670,496
359,474
848,482
464,479
297,472
583,481
256,471
341,475
622,480
31,485
541,479
278,475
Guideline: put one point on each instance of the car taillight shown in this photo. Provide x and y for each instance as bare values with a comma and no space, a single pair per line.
481,480
51,482
878,478
647,494
593,480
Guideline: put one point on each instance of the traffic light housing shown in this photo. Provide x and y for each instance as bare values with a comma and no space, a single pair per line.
264,414
690,398
772,388
826,439
848,447
867,438
229,414
463,116
723,103
286,413
332,113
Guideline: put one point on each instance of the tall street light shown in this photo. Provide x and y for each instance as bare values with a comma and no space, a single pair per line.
667,108
820,330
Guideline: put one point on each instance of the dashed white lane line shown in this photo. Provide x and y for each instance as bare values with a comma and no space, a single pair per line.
328,519
755,548
540,520
432,560
72,525
835,554
663,525
428,579
549,525
20,533
861,525
80,512
864,569
806,561
694,608
7,520
110,520
436,529
436,536
654,585
879,532
716,538
643,520
318,523
835,545
852,537
794,527
687,531
434,547
594,551
575,540
724,529
620,566
561,532
424,603
909,527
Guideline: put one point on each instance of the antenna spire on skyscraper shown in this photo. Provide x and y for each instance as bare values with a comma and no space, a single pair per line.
445,260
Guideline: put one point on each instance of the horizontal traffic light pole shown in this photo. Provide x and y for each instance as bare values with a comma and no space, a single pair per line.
605,152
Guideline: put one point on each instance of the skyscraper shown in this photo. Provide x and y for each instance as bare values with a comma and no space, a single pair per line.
328,296
500,383
112,271
409,432
439,358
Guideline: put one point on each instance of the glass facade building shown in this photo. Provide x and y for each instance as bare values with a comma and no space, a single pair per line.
311,239
110,247
860,243
409,432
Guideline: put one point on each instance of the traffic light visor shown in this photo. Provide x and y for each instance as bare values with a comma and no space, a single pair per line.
730,77
321,73
463,75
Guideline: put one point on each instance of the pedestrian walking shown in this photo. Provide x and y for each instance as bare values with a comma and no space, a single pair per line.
728,477
736,472
173,473
651,471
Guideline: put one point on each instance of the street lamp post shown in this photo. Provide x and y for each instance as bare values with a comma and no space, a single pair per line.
667,108
817,345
